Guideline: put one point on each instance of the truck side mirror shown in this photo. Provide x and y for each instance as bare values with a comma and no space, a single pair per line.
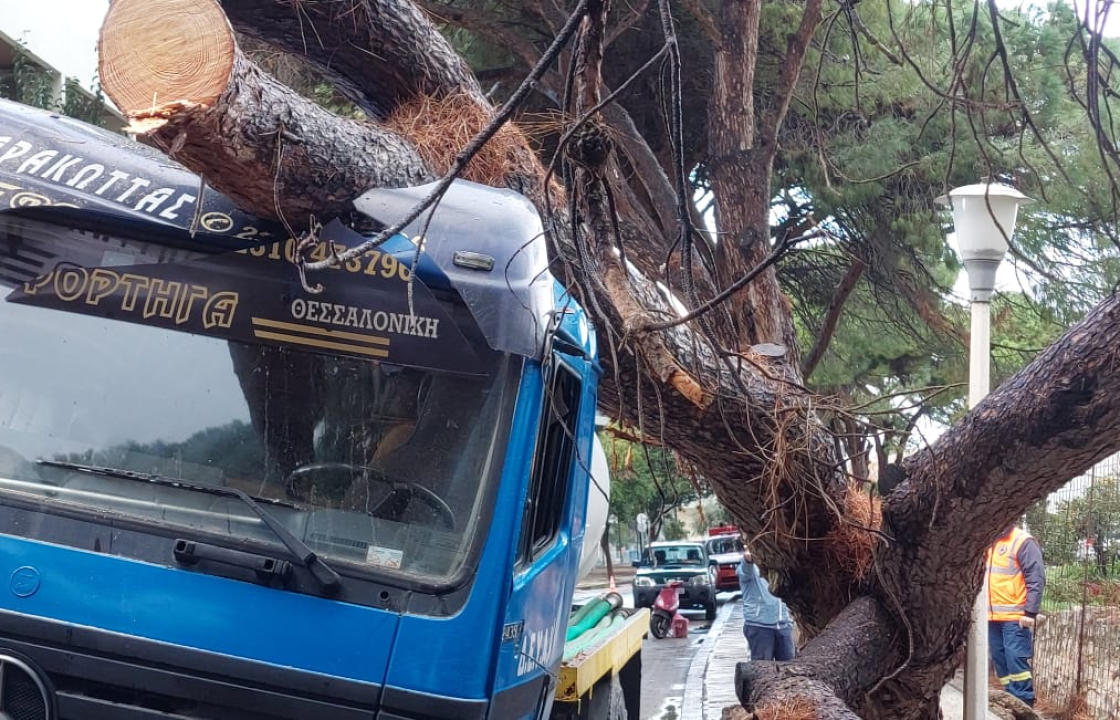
635,563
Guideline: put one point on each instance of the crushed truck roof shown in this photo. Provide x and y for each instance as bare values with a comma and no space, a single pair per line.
485,243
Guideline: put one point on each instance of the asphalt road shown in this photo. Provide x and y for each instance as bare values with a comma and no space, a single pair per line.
665,662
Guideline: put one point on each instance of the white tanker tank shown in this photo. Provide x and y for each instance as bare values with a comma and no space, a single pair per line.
598,508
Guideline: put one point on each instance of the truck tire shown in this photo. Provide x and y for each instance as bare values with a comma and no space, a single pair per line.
710,611
617,709
605,701
630,679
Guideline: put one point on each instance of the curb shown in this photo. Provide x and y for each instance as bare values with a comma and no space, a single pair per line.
597,584
692,704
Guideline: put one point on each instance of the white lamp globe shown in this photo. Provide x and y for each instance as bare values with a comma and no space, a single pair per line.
984,219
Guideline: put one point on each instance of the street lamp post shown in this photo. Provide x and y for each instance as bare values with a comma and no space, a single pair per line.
984,220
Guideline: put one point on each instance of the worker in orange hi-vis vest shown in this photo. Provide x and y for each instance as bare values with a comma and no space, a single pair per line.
1016,578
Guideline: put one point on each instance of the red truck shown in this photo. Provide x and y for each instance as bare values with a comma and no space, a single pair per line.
725,549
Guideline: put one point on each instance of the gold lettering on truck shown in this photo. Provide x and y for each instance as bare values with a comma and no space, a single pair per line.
180,302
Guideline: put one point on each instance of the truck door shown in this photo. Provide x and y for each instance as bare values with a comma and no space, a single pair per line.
548,552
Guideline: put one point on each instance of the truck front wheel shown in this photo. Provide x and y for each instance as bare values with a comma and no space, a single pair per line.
710,610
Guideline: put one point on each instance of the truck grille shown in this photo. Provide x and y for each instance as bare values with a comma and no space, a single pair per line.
81,686
23,696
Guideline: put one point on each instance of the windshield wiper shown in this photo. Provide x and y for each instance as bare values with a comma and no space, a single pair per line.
324,575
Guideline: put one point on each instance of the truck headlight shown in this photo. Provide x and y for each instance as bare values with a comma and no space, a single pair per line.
699,580
643,582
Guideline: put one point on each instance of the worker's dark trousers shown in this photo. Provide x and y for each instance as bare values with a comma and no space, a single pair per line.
1010,646
769,643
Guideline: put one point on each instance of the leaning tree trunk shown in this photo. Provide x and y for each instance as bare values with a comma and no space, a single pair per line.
887,604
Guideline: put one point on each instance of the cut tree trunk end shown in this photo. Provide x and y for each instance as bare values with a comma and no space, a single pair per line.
160,55
275,153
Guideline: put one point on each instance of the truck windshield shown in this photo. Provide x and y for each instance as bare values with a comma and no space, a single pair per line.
678,555
725,545
384,467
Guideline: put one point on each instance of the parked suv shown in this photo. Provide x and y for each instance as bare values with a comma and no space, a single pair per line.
684,561
725,552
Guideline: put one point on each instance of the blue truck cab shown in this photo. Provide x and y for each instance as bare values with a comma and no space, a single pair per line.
231,492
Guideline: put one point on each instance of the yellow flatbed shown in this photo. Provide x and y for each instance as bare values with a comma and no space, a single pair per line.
614,660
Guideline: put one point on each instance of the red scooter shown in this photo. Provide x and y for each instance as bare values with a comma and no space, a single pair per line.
664,620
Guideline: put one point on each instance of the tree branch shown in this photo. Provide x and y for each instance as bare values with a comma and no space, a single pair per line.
791,66
648,168
866,32
228,122
632,17
484,25
833,672
706,19
832,316
1049,422
345,39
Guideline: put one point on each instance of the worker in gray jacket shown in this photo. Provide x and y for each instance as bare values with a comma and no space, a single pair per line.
766,620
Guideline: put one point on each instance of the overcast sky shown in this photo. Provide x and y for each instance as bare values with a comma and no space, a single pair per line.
62,32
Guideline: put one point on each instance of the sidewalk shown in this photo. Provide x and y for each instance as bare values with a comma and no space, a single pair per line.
597,578
710,684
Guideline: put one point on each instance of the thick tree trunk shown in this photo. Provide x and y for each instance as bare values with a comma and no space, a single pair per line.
1051,421
834,670
743,152
262,144
383,55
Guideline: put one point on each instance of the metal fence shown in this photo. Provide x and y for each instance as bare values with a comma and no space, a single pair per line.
1077,644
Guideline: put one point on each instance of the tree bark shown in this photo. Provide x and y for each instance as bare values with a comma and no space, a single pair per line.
743,151
273,152
379,53
833,671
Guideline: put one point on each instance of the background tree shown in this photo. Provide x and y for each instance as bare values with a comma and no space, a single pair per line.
647,480
829,129
1083,526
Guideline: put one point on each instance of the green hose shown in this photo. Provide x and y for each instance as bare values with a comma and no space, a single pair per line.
596,610
582,641
605,627
577,616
